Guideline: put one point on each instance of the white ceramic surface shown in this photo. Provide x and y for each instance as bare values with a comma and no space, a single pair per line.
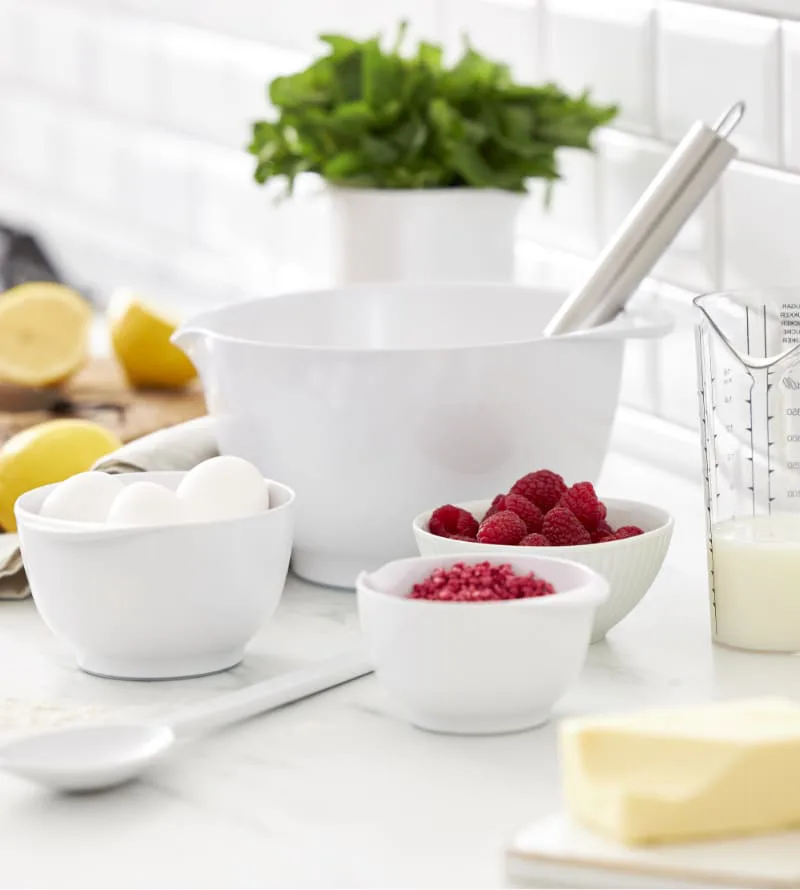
155,603
97,756
477,668
423,235
375,401
630,566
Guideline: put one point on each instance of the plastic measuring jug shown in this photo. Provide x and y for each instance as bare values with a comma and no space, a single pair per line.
748,347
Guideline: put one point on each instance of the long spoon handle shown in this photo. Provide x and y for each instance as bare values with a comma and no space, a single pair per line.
232,707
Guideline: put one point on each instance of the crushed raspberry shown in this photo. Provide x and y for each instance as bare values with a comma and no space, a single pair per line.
582,501
503,527
527,511
535,540
449,520
564,529
544,488
602,530
483,582
494,506
628,531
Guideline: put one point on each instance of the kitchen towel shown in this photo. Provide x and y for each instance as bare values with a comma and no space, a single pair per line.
178,447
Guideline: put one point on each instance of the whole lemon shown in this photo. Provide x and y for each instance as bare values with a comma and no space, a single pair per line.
48,452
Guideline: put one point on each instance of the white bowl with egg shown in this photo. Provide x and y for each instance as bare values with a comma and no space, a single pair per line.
157,601
478,667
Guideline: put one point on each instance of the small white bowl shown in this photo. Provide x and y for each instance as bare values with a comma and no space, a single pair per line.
485,667
157,603
630,566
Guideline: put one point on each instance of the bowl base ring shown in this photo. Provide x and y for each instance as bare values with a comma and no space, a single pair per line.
159,668
472,725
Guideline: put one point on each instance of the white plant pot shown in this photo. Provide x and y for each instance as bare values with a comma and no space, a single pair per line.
388,235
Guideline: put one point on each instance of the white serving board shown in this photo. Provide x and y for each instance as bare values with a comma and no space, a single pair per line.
556,853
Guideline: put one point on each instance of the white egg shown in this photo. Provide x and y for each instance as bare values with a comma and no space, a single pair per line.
85,497
146,504
224,487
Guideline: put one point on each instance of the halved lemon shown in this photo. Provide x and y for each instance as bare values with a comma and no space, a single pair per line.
140,335
44,333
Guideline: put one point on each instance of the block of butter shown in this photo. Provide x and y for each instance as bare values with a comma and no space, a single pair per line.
719,770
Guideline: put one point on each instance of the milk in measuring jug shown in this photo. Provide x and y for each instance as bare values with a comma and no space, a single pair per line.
756,582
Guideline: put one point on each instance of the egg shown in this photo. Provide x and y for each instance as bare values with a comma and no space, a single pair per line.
85,497
224,487
146,504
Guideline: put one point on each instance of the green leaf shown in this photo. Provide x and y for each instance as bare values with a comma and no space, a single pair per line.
369,117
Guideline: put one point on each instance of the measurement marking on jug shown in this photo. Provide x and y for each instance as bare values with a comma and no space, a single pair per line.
770,418
750,410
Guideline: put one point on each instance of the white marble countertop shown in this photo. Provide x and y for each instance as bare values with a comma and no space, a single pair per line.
336,791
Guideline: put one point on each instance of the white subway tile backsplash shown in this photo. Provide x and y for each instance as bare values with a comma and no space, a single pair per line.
31,140
60,54
608,48
761,219
627,166
507,30
125,71
95,156
791,95
789,9
15,39
160,186
709,59
570,222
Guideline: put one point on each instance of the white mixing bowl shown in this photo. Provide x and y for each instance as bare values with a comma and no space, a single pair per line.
157,603
375,401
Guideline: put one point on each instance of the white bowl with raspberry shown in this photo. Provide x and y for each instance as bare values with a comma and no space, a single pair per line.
478,667
625,541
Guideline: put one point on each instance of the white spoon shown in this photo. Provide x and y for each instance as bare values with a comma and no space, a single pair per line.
88,758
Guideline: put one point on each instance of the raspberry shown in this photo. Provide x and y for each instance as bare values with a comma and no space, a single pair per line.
479,583
449,520
504,527
628,531
527,511
582,501
602,531
493,507
603,539
461,538
564,529
544,488
535,540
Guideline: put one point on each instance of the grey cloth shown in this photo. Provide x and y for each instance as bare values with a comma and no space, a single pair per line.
178,447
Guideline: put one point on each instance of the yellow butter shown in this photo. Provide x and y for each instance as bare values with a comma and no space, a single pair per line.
669,776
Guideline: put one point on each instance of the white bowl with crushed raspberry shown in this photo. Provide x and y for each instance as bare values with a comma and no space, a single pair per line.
630,564
466,661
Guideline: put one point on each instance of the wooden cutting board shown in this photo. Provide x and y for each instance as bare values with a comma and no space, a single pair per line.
100,393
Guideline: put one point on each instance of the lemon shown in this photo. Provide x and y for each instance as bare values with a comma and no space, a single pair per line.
48,452
140,337
44,333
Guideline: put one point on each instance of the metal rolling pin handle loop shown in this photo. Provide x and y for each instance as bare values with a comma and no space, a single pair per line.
730,120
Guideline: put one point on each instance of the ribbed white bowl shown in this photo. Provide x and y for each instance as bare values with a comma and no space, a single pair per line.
630,566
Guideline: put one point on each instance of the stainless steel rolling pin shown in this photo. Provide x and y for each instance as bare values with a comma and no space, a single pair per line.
685,179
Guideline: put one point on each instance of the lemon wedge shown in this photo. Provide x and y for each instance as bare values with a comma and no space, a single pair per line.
44,333
48,452
140,336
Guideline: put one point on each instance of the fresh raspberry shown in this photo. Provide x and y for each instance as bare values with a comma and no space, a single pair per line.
527,511
564,529
504,527
544,488
449,520
602,531
535,540
493,507
628,531
582,501
461,538
603,539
